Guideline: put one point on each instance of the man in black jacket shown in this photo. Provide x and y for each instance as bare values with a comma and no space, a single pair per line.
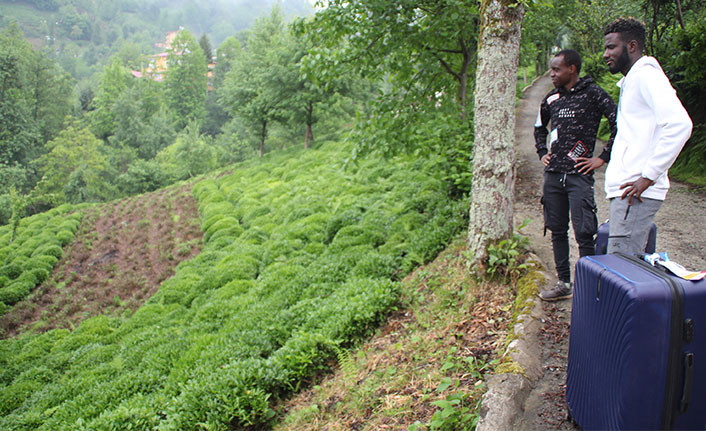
574,108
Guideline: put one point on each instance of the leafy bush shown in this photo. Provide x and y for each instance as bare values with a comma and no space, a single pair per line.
141,176
37,247
689,165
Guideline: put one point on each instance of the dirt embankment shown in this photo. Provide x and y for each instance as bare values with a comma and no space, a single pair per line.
120,255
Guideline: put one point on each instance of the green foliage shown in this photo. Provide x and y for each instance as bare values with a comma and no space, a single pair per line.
455,410
141,120
34,98
689,165
142,176
681,53
299,261
29,256
259,86
75,167
137,118
205,45
425,58
505,258
186,80
190,155
114,80
83,34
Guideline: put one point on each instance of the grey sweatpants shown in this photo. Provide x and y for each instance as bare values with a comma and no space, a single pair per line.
630,226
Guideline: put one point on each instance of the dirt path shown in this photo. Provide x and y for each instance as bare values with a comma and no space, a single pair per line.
679,222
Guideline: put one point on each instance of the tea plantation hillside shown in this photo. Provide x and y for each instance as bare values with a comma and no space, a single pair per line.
120,255
300,259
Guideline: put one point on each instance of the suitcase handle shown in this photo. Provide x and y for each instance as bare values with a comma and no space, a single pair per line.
598,287
688,378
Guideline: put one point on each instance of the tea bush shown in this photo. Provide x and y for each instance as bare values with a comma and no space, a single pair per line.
300,258
27,260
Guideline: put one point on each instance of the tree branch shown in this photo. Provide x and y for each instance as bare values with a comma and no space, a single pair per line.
445,65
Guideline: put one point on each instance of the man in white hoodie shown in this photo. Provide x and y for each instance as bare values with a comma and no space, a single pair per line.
653,126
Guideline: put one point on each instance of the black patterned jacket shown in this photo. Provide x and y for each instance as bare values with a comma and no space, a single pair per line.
575,116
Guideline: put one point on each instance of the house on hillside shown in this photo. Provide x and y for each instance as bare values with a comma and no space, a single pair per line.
168,39
155,66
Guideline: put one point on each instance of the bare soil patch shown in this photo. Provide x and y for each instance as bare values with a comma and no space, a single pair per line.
119,257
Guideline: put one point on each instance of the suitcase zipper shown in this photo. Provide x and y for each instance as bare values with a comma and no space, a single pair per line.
675,346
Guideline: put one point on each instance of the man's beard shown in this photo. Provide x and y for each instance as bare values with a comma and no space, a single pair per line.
621,63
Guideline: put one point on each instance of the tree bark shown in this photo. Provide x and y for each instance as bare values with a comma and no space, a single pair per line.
493,153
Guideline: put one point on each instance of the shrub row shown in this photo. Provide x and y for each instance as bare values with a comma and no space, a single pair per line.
27,259
301,258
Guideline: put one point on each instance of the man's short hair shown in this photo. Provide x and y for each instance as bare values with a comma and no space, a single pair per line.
629,29
571,58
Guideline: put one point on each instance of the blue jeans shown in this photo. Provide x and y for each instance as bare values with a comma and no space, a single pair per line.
630,225
563,195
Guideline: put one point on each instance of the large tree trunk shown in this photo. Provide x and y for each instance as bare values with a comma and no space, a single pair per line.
494,120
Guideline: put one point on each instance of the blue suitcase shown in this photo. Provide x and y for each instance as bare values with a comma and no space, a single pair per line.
602,239
637,347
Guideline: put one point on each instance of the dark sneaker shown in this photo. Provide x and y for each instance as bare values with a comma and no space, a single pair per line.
560,290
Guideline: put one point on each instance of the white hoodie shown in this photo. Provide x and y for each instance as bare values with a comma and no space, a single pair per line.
653,126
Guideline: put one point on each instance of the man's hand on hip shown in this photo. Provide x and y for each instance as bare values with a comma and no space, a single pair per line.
586,165
635,188
546,158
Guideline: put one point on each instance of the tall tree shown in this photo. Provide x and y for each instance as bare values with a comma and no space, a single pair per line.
493,151
421,54
586,21
311,92
227,54
35,97
18,132
542,28
140,119
419,44
205,45
114,80
259,86
74,168
186,80
52,90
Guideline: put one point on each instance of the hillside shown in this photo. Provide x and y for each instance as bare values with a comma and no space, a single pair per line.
119,257
83,34
299,259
